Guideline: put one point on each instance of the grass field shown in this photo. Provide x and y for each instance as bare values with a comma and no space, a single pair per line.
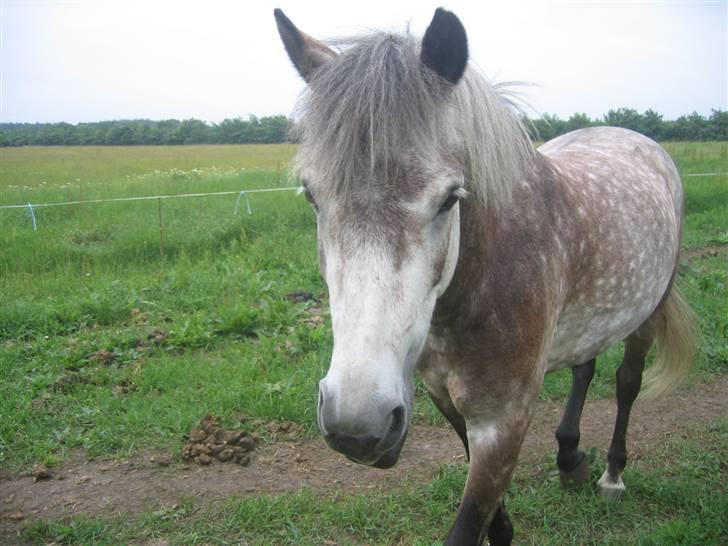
122,324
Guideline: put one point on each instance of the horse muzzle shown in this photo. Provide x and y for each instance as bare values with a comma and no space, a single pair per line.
371,441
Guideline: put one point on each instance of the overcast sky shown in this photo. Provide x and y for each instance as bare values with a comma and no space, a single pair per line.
97,60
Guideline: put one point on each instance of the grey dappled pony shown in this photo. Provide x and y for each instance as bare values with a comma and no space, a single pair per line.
452,247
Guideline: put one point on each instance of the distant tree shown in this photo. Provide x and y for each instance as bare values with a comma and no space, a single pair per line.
719,125
121,135
274,129
652,125
578,121
626,118
191,131
230,131
57,134
691,127
546,127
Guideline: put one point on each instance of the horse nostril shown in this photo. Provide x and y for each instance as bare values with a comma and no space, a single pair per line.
398,420
320,415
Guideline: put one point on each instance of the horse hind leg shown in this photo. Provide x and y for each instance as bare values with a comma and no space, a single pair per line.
572,462
629,381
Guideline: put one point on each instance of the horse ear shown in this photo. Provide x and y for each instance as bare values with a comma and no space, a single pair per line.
445,46
306,53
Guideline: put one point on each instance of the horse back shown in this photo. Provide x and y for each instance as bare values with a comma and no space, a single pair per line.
619,219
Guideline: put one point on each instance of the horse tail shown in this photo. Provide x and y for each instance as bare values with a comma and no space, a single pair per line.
674,328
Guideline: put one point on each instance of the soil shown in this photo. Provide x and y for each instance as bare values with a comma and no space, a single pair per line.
153,480
706,251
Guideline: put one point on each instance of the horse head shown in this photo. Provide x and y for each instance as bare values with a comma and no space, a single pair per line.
377,164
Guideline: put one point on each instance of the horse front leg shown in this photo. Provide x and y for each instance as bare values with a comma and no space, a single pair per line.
433,370
494,446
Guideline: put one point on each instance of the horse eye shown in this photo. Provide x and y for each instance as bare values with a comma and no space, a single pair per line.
310,199
449,202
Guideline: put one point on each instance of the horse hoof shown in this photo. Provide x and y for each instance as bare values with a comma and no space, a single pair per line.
576,477
610,488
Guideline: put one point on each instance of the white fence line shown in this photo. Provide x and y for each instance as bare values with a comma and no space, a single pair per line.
145,198
241,193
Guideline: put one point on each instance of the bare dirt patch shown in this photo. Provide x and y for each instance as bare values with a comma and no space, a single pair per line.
142,483
706,251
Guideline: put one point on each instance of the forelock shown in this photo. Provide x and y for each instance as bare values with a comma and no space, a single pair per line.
377,103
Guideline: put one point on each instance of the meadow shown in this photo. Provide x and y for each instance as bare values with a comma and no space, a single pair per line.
123,323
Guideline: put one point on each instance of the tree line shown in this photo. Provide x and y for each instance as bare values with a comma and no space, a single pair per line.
275,129
649,123
252,130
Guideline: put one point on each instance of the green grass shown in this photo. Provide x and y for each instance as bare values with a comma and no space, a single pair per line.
57,171
209,289
699,157
105,277
102,277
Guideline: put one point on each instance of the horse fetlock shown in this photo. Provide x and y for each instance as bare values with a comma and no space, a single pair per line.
611,487
577,475
569,459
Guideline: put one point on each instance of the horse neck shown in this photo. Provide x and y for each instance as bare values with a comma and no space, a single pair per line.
483,220
490,234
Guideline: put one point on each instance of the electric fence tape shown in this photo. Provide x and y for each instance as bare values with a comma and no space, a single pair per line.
240,193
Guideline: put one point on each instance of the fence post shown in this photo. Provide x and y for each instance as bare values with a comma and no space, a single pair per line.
161,230
32,216
237,202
